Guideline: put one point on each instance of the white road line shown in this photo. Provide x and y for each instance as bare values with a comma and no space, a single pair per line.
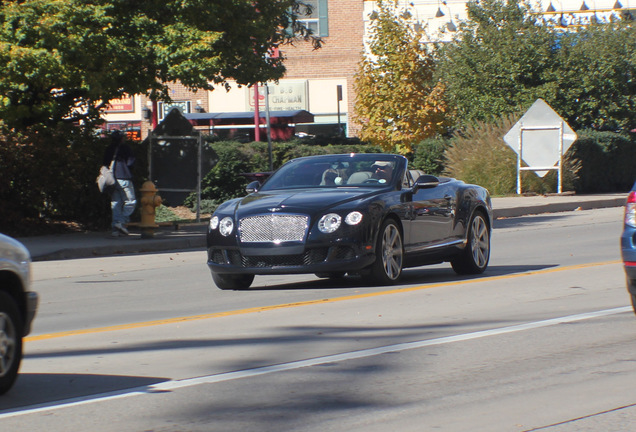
227,376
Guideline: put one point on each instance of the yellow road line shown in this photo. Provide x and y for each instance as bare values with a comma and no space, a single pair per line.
305,303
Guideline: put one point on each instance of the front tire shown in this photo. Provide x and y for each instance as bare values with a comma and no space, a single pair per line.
10,342
389,255
475,256
233,282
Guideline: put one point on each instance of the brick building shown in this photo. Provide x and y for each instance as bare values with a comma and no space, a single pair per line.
335,63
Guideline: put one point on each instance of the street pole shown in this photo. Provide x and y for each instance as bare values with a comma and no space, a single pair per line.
269,133
339,97
257,121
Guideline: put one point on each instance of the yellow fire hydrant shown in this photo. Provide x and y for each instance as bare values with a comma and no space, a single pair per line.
149,202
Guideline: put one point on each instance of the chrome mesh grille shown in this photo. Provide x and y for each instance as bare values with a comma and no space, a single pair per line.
273,228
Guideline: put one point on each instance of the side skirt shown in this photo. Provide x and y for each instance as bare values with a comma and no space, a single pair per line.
437,254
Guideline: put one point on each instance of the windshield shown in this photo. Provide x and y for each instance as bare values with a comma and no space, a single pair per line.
335,171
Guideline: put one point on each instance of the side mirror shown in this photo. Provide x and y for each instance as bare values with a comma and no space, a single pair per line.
253,187
426,181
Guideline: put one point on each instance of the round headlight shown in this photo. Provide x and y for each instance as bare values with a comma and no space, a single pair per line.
353,218
226,226
329,223
214,222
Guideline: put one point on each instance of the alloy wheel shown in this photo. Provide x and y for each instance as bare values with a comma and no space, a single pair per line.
479,242
392,253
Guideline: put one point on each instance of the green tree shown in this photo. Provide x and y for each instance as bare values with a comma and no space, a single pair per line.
500,61
64,60
398,100
598,76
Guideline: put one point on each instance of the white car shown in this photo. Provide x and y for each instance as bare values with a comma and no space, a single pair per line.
17,307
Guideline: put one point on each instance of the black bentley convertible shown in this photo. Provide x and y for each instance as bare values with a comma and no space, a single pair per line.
364,214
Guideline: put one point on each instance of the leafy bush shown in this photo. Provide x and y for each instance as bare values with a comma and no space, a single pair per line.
606,162
224,181
208,206
428,155
164,214
479,155
49,176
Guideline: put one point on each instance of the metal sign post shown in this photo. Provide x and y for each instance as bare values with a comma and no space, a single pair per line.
540,149
559,164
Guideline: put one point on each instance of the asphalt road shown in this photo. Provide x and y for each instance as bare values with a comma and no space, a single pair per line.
544,340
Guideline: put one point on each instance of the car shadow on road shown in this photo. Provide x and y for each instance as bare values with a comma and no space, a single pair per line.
412,276
54,388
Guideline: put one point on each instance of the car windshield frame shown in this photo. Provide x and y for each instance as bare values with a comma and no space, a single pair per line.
374,170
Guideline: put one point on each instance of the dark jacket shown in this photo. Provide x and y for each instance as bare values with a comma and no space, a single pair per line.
124,162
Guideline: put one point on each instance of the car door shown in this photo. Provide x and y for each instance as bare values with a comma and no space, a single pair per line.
432,211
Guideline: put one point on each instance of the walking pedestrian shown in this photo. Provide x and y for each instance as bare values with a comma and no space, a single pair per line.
122,199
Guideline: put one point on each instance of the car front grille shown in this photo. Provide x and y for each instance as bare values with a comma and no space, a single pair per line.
273,228
310,257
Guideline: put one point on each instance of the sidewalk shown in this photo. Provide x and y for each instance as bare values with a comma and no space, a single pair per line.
192,235
527,205
94,244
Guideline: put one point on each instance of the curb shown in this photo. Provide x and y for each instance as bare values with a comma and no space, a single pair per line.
148,246
558,207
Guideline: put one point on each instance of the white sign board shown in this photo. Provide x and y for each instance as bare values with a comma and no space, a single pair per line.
540,138
283,96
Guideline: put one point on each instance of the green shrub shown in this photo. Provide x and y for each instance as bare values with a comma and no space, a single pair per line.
479,155
606,162
208,206
224,181
164,214
428,155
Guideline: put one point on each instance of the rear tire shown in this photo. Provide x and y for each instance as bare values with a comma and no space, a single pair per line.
233,282
10,341
475,256
389,255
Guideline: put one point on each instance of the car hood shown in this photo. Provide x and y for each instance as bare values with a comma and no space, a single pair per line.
305,202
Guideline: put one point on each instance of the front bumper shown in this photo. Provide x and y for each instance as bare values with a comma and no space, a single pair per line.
297,260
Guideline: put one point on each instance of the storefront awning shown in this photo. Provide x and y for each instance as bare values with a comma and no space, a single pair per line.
298,116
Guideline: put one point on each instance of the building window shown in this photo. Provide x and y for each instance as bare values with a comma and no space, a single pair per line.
317,20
